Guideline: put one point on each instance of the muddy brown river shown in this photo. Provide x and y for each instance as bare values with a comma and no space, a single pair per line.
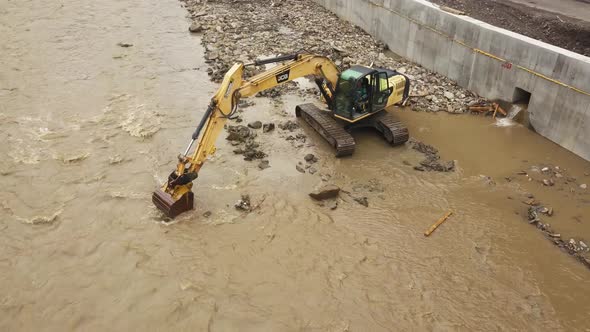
90,128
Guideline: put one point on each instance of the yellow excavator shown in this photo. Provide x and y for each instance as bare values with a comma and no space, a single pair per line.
355,98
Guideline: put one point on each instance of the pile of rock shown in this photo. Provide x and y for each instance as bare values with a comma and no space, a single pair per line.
304,26
432,162
244,138
326,195
289,125
576,248
553,176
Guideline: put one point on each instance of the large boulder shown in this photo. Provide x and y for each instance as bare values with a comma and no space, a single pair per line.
325,192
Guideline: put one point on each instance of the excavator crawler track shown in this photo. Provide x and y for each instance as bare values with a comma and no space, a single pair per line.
332,131
393,130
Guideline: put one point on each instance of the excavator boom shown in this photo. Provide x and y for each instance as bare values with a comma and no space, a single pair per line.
356,98
175,196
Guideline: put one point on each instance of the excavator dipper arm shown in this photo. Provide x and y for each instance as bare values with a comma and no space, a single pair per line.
176,195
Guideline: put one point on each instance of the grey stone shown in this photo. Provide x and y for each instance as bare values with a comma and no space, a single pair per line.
362,201
255,125
325,192
267,127
310,158
195,27
300,168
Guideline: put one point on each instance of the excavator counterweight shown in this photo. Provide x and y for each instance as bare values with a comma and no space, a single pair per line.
356,97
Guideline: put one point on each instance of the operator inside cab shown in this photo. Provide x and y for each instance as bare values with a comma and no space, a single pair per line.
362,95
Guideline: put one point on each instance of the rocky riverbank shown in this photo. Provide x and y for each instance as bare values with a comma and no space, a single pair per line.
279,27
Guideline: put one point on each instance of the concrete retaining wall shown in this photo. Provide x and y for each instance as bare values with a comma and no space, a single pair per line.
490,61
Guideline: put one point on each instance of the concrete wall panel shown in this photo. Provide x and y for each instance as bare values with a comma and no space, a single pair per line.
580,141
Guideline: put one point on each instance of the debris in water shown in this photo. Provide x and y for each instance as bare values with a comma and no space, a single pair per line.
432,161
267,127
244,204
184,285
533,214
42,220
325,192
362,201
264,164
488,180
299,168
438,223
238,133
310,158
241,134
252,154
74,158
422,147
207,214
121,44
115,160
547,211
289,125
571,246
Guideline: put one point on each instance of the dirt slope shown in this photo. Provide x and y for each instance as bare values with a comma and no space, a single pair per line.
559,30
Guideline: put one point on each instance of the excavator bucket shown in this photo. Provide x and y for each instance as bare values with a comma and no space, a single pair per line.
171,208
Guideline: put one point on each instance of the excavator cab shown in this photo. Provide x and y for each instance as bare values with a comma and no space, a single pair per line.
360,91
